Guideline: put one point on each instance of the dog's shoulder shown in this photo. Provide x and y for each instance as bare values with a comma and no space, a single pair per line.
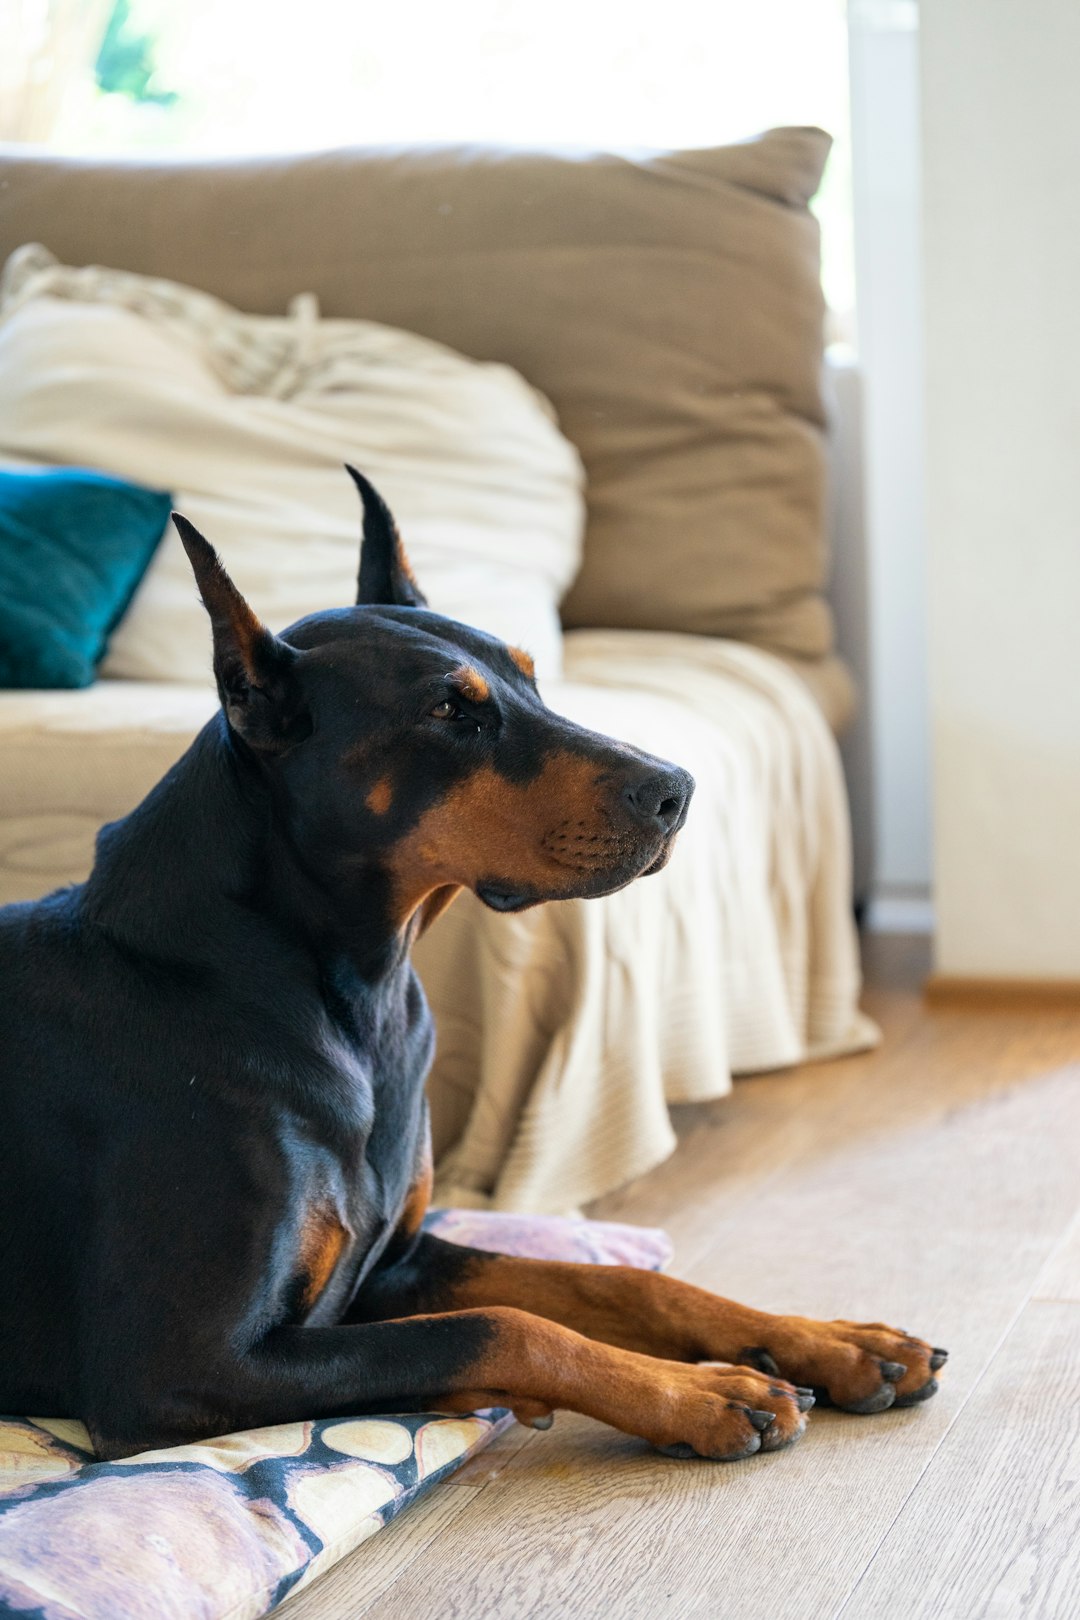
42,954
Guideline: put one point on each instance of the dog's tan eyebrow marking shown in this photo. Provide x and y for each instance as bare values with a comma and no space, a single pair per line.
523,661
380,797
470,683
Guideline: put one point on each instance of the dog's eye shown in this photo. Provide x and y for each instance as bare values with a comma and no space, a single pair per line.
447,711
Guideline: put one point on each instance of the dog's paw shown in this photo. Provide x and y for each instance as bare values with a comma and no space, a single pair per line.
724,1412
859,1366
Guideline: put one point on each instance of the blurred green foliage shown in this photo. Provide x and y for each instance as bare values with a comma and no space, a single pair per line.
127,61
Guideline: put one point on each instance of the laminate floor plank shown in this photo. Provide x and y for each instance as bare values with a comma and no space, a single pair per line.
993,1530
1060,1277
353,1585
943,1226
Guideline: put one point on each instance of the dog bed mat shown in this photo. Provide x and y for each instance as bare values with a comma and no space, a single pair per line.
226,1529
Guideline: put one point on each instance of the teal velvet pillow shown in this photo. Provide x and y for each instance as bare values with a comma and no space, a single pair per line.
73,547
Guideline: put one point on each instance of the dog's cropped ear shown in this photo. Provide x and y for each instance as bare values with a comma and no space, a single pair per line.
255,672
385,575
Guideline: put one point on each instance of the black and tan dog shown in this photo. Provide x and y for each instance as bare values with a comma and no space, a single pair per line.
213,1053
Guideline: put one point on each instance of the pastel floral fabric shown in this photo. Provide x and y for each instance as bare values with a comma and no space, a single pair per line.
225,1529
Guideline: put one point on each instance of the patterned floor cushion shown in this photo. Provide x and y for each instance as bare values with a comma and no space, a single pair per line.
226,1529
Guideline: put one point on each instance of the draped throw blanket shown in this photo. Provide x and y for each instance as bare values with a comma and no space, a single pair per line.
564,1033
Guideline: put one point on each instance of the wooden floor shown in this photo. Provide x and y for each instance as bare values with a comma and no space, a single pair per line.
934,1183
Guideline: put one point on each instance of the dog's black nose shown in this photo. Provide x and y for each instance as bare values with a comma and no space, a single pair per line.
659,800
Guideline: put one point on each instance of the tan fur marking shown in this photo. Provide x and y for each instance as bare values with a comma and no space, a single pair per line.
322,1239
523,661
546,833
470,683
225,605
402,555
419,1197
381,797
436,903
536,1366
403,560
642,1313
245,624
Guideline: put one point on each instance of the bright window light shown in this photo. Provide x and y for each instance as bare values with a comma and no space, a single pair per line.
227,76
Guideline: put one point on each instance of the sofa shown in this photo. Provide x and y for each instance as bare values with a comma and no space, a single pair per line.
668,307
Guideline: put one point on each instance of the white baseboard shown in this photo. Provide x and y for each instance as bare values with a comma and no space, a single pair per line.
910,913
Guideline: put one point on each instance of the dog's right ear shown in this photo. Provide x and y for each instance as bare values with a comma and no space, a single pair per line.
255,671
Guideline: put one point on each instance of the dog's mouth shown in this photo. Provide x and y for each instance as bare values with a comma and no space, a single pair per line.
661,860
593,882
500,899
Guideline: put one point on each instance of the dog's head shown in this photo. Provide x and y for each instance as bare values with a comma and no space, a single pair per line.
399,742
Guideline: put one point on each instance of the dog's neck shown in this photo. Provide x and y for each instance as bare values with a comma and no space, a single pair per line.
204,863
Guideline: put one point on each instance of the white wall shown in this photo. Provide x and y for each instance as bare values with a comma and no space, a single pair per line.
1001,177
883,49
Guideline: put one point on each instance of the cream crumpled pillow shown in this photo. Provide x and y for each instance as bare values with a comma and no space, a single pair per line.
248,420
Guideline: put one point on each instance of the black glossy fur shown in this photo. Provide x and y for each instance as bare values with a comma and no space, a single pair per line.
213,1052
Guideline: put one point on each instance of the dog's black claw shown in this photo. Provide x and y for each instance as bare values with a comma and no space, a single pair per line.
773,1440
755,1356
542,1422
681,1448
804,1399
892,1371
917,1395
877,1402
822,1396
938,1358
760,1419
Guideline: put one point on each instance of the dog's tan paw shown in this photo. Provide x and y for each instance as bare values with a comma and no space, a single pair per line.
861,1367
725,1412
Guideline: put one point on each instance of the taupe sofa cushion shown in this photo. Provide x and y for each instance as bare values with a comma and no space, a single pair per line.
669,306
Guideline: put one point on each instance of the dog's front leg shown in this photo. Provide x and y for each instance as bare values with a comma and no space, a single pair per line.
455,1362
861,1366
505,1356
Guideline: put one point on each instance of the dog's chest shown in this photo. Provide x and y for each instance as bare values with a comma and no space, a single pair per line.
358,1190
341,1229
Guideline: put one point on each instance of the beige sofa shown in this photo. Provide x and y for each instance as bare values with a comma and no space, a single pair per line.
669,307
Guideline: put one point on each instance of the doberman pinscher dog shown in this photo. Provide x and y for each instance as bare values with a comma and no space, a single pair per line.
213,1055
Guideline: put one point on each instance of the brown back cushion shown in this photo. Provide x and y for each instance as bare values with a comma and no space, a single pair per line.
668,306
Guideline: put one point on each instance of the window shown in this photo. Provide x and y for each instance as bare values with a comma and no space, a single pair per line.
216,76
